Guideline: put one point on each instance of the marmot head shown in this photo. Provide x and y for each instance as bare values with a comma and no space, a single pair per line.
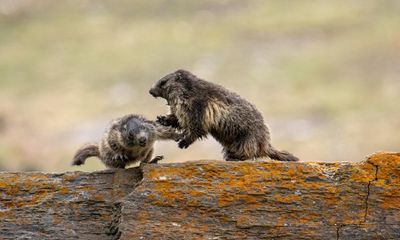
178,84
135,131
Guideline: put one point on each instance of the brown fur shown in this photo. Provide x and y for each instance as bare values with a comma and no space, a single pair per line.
200,108
127,140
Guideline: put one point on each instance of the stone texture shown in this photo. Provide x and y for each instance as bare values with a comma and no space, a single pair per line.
208,200
63,206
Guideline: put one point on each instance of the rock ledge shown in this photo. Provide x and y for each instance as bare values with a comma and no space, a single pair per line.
208,200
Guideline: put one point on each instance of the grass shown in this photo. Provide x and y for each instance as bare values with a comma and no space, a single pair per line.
68,68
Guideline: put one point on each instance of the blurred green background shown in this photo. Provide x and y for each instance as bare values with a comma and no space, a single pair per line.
325,74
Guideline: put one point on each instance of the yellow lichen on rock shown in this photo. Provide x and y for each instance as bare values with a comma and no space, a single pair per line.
208,200
269,198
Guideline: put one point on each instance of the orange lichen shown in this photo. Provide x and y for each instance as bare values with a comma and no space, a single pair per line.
196,198
290,198
254,185
64,190
391,203
99,197
225,199
142,216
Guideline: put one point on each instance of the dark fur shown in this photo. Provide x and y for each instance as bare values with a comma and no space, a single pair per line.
127,140
199,108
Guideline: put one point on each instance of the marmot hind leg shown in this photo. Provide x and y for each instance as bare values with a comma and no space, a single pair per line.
232,156
240,151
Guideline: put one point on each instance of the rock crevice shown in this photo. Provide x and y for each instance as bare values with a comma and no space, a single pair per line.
115,221
369,190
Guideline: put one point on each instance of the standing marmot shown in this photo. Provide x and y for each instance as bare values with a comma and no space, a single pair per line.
199,107
127,140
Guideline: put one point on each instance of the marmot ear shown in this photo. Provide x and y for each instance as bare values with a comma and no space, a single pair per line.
179,76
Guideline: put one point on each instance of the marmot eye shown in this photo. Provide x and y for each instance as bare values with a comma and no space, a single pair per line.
162,83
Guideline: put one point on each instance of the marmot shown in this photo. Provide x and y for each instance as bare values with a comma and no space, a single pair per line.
199,107
127,140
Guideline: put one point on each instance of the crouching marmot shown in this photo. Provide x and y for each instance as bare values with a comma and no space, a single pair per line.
199,107
127,140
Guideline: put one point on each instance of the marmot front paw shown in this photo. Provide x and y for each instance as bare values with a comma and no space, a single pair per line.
156,159
78,162
163,120
183,144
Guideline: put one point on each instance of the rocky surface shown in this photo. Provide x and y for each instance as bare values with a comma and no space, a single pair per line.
63,206
208,200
